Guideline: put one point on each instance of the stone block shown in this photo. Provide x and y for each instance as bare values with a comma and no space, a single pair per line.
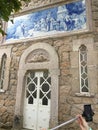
92,78
91,58
95,15
95,118
74,56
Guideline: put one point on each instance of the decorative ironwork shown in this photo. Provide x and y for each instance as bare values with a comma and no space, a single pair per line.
32,83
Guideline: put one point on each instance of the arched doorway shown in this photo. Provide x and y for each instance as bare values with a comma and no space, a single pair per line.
37,90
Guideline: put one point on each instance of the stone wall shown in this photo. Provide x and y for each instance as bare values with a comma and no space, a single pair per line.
95,18
70,103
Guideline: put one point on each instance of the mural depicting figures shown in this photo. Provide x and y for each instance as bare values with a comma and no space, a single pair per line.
64,18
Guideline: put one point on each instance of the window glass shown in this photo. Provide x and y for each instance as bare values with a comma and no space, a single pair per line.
83,69
2,72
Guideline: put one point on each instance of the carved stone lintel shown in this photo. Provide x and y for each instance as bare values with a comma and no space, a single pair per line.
38,55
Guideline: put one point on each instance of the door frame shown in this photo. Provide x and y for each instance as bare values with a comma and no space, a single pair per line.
51,64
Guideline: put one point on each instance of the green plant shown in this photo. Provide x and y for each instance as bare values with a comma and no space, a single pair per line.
8,7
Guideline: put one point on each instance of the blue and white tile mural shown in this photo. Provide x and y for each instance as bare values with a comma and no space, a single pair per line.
64,18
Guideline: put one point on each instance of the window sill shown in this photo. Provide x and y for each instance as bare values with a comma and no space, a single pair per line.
85,95
2,91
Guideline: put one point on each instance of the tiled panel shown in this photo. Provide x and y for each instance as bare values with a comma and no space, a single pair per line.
64,18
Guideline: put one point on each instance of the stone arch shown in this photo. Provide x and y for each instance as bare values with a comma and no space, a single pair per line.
44,57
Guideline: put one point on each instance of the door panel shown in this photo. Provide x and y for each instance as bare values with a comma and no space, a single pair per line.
36,111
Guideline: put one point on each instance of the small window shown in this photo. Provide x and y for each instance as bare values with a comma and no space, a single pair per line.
83,69
2,71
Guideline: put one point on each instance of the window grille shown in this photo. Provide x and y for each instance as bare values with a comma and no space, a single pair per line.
3,69
44,87
83,69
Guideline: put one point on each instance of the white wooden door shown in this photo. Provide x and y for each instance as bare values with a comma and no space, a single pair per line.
36,109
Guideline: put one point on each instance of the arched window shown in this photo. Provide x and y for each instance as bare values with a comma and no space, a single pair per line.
83,69
2,71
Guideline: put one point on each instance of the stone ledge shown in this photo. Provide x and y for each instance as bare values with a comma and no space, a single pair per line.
91,95
2,91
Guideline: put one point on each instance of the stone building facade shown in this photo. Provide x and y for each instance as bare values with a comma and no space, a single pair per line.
60,56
